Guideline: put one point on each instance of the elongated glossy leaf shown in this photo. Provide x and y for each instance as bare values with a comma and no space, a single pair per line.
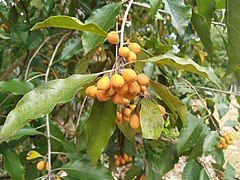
206,8
173,103
154,4
99,128
180,14
210,141
16,86
203,175
71,48
229,172
41,101
202,28
129,132
105,18
191,171
84,169
151,119
186,64
233,31
190,134
69,23
12,163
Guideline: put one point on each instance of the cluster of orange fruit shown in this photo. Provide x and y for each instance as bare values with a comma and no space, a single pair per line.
225,140
128,115
42,165
120,87
122,159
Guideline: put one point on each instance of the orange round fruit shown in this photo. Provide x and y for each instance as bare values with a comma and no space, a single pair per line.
231,136
111,91
131,57
122,161
142,80
115,156
41,165
130,159
129,96
125,101
225,145
219,146
129,75
125,157
91,91
103,83
126,118
117,81
162,110
134,47
117,162
222,140
127,112
124,52
118,121
123,89
133,88
134,121
143,88
102,95
119,116
225,136
117,98
113,37
47,166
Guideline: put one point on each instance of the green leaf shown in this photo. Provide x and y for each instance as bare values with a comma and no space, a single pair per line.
186,64
190,134
71,48
2,35
202,28
12,163
82,65
84,169
105,18
16,86
233,31
151,119
173,103
229,172
180,14
68,22
154,4
191,171
210,141
206,8
99,127
232,123
41,101
26,131
37,3
203,175
128,132
218,157
220,4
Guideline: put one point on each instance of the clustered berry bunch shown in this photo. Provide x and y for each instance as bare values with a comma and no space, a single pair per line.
225,140
42,165
122,159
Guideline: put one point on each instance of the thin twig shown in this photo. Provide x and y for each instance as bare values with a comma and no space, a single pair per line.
34,77
148,7
81,110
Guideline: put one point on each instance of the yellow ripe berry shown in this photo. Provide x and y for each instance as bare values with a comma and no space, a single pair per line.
131,57
47,166
126,118
142,80
134,47
231,136
91,91
115,156
143,88
230,142
129,75
102,95
125,157
122,161
41,165
124,52
219,145
134,121
123,89
130,159
111,91
132,107
117,162
113,37
127,112
119,116
103,83
118,121
129,96
58,178
162,110
125,101
117,81
133,88
117,98
222,140
225,136
225,145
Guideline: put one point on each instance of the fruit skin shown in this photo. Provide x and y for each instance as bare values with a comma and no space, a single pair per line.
118,121
103,83
113,37
127,112
126,101
125,157
134,121
102,95
143,88
142,80
91,91
129,75
119,116
231,136
134,47
122,161
219,145
126,118
162,110
132,107
124,52
131,57
129,96
225,136
225,145
117,81
134,88
117,162
41,165
123,89
47,166
111,91
222,140
117,98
